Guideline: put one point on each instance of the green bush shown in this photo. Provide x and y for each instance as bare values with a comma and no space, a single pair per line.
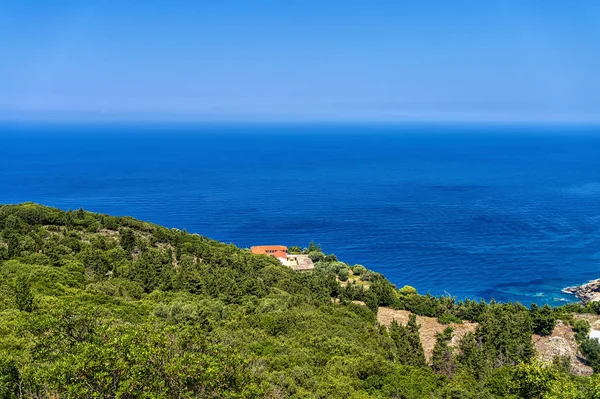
582,329
449,318
358,269
343,274
590,348
408,290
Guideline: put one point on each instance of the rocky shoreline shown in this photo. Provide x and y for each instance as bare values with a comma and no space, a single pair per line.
588,292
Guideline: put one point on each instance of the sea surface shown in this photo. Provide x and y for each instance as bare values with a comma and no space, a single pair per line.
503,212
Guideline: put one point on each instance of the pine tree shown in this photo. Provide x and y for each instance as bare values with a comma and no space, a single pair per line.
409,350
442,359
417,352
127,239
23,295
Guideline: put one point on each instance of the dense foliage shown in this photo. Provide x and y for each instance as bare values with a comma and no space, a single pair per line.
96,306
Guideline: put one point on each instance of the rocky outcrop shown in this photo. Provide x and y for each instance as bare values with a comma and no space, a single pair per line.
561,343
588,292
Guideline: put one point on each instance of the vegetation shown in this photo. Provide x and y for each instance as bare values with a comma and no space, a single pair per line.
443,361
97,306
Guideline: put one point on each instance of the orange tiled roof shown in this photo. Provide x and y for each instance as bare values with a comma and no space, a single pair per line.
269,249
280,254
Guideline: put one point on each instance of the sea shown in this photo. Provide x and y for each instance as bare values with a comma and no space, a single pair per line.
504,212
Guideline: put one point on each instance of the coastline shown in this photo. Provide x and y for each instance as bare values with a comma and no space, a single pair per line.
588,292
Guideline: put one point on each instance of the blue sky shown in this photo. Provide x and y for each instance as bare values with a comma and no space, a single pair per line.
363,61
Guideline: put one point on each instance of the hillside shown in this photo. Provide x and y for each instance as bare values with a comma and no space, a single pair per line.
98,306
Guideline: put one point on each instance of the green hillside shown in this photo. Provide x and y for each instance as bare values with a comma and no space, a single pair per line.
97,306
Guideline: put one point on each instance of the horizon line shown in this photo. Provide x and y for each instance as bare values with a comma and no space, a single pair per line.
305,122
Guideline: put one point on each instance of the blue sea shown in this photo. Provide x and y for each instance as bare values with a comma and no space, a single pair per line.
474,211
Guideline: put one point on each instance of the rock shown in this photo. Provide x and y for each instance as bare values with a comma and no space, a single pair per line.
588,292
561,343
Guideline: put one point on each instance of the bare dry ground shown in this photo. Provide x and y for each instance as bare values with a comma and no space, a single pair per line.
429,327
562,343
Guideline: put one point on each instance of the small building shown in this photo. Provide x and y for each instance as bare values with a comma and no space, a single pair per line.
276,251
297,262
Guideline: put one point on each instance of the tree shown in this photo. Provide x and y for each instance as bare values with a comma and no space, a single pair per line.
12,240
127,239
469,356
384,290
582,329
9,379
535,380
371,301
590,348
23,295
543,319
294,250
408,290
343,274
442,359
408,342
312,247
505,333
358,269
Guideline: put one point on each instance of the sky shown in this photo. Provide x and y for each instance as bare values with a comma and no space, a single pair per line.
288,60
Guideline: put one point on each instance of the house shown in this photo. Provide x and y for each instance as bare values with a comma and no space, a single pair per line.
296,262
276,251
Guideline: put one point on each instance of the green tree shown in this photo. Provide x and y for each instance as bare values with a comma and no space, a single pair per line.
408,290
23,294
470,357
294,250
409,350
343,274
543,319
12,240
442,358
358,269
371,301
505,333
590,348
9,380
127,239
582,329
312,247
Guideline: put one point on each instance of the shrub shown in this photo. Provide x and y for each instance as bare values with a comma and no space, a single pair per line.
359,269
343,274
448,318
581,328
408,290
590,348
